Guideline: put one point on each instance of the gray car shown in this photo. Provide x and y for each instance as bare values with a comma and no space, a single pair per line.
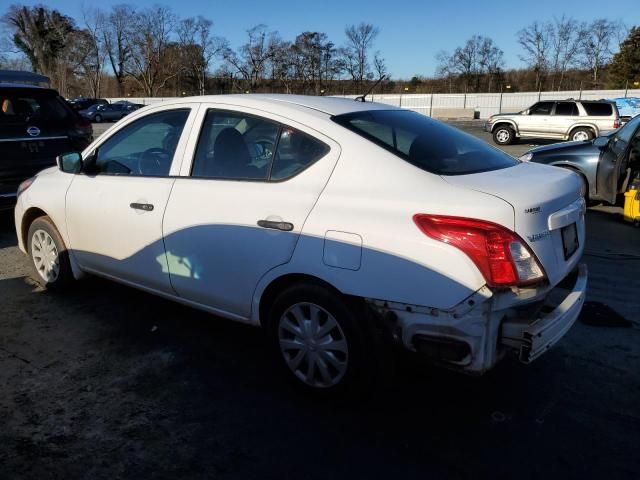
604,164
106,112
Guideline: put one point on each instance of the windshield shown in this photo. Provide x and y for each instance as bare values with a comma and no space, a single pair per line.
426,143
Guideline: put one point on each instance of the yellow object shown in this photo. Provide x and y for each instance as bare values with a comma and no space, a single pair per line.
632,205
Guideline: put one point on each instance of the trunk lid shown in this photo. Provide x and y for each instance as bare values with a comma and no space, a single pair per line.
546,200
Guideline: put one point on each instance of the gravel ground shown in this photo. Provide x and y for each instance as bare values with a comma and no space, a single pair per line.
108,382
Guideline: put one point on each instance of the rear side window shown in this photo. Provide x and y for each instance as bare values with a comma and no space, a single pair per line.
239,146
23,106
598,109
426,143
567,109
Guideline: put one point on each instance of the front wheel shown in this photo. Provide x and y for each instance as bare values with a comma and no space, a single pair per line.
49,255
504,135
97,118
320,342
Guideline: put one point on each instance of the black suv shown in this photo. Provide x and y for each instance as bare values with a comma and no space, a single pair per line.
36,125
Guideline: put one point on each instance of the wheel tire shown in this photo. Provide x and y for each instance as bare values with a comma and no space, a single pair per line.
504,135
348,371
581,134
97,118
44,242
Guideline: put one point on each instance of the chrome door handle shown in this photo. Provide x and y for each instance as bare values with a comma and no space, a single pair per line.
147,207
284,226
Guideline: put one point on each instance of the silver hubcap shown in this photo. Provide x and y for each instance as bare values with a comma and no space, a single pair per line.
313,345
45,256
580,136
503,136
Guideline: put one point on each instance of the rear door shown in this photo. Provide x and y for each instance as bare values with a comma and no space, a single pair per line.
565,115
615,159
34,126
238,207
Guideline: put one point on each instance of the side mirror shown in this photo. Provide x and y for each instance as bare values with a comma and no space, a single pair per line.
601,142
70,162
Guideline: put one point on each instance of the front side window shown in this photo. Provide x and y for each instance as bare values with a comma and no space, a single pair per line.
426,143
541,108
239,146
145,147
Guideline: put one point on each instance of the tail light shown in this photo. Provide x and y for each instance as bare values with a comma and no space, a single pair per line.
501,255
616,123
24,185
83,126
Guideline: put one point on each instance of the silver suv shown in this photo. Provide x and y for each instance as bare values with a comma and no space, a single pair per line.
564,120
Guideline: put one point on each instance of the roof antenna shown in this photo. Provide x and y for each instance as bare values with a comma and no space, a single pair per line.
362,98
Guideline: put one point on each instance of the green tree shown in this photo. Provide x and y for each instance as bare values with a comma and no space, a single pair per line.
625,66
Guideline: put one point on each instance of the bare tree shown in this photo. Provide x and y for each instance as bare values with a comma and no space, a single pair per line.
116,30
536,42
253,57
566,36
596,46
199,48
153,60
491,60
91,51
357,51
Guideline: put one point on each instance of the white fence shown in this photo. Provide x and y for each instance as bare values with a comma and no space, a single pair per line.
486,104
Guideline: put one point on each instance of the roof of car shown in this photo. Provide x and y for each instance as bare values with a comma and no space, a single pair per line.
327,105
22,85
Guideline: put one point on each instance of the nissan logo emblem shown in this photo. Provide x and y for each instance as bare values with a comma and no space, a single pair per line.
33,131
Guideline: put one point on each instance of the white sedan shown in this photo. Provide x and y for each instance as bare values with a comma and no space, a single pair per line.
336,225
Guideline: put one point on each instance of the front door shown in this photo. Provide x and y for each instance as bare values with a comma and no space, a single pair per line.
115,207
536,123
621,153
239,210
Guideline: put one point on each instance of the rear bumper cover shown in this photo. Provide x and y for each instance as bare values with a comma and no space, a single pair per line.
526,328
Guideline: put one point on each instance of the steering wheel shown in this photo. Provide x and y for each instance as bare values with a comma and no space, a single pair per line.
152,160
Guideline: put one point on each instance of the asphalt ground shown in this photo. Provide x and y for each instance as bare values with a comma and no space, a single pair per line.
108,382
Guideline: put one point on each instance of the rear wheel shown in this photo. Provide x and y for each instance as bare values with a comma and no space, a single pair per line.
504,135
49,255
581,134
97,118
320,342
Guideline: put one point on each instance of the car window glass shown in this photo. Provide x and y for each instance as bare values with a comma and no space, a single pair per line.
295,152
145,147
566,108
598,109
21,108
234,145
626,132
541,108
425,143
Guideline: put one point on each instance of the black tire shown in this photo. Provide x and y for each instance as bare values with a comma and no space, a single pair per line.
64,275
504,135
355,327
583,132
97,118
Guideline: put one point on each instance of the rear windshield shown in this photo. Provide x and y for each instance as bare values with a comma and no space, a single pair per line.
598,109
426,143
22,106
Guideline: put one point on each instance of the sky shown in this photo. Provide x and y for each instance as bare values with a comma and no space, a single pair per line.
412,32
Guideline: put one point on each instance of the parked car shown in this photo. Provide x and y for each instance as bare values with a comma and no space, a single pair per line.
84,103
336,225
604,164
112,112
562,120
628,107
36,125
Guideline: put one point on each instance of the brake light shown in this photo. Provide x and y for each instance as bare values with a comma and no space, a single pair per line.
24,185
83,126
616,123
500,254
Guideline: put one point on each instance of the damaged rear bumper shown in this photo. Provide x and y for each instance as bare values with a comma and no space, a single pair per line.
474,335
